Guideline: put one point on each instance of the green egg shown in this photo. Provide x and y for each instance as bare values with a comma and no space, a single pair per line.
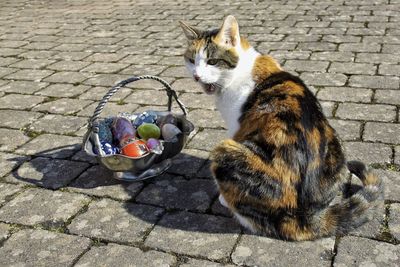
149,130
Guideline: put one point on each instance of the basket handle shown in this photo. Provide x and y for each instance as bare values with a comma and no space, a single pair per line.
170,93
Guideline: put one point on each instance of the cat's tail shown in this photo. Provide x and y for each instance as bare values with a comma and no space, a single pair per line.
354,211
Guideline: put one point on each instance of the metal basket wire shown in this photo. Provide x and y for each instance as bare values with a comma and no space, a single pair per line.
149,165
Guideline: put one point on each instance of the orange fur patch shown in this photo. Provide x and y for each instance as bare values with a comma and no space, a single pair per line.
291,230
263,67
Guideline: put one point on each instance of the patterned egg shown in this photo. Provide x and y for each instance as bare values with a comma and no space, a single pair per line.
170,132
155,146
105,134
135,149
171,119
107,148
149,130
145,117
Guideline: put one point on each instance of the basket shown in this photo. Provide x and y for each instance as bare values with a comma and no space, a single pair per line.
150,165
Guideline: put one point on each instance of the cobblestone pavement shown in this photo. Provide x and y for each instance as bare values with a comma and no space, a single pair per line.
58,58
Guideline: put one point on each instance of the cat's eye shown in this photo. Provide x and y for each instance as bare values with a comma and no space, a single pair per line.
212,61
191,60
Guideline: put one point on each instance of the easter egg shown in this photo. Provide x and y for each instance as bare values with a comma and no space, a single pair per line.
149,130
170,132
171,119
155,146
105,134
107,148
145,117
135,149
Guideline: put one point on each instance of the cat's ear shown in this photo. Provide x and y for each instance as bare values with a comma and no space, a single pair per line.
229,35
190,32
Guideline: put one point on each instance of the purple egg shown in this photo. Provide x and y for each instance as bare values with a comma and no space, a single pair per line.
155,145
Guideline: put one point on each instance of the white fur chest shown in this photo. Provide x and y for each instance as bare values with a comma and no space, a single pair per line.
230,102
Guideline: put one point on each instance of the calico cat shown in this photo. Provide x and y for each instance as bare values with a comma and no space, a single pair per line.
284,164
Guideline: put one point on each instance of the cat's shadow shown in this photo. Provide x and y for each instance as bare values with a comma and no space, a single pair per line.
96,181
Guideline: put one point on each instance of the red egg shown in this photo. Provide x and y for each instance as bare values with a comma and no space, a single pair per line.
135,149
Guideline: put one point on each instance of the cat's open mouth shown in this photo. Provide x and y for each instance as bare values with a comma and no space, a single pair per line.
209,88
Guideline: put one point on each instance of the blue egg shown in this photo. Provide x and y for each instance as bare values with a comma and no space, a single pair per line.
105,134
107,148
145,117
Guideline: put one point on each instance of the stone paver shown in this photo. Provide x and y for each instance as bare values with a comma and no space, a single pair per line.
117,255
51,145
17,101
368,152
207,139
42,248
391,180
357,111
382,132
58,124
195,234
63,106
98,181
8,162
356,251
394,221
23,87
263,251
7,190
47,172
38,206
63,90
347,130
345,94
4,231
11,139
188,162
56,64
115,221
178,193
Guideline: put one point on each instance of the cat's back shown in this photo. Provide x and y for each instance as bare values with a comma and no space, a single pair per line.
281,108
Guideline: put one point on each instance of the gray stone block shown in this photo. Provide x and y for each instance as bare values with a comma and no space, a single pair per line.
47,172
117,255
377,112
177,193
195,234
387,96
8,162
42,248
376,82
207,139
51,145
356,251
64,106
115,221
11,139
368,152
263,251
98,181
16,118
347,130
345,94
17,101
38,206
394,220
58,124
7,190
382,132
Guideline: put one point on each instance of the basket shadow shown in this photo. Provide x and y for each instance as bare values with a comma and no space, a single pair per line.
179,199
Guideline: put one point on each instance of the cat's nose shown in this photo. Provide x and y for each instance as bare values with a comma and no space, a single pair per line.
196,77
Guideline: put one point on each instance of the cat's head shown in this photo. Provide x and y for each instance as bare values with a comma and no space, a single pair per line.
213,55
